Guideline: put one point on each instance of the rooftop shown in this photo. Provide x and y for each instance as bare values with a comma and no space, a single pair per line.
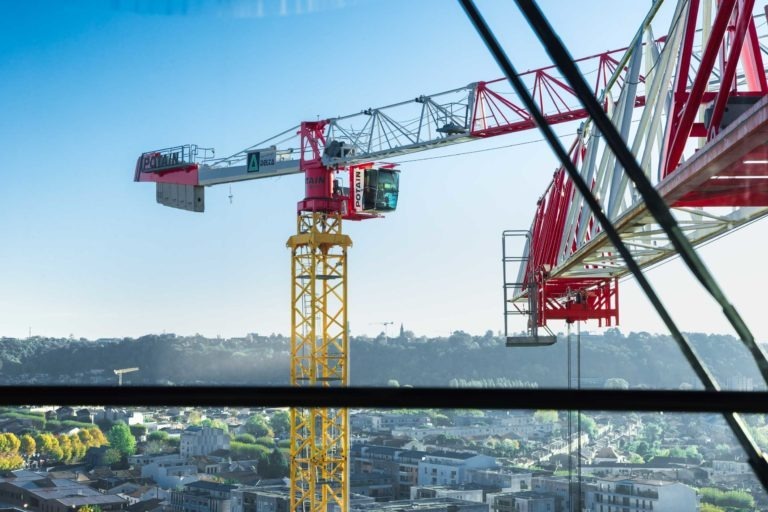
423,504
144,506
453,455
97,499
210,486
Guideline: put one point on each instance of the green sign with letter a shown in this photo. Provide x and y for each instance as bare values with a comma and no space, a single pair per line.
252,161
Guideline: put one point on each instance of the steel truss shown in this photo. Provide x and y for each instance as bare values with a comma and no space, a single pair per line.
706,198
319,358
479,110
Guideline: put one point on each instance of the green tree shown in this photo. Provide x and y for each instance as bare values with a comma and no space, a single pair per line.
65,443
89,508
245,438
85,437
711,495
475,413
643,449
651,433
48,446
588,425
78,448
158,435
693,452
274,466
737,499
9,443
545,416
723,450
27,445
112,456
195,417
269,442
708,507
9,452
676,451
215,424
138,430
242,451
281,423
121,439
11,461
439,419
97,437
508,447
257,426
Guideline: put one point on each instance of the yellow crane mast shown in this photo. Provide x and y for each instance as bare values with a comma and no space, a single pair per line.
319,357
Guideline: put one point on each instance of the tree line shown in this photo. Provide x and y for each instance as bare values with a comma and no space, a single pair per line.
636,360
15,450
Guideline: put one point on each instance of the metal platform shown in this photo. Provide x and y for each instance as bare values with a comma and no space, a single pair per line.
531,341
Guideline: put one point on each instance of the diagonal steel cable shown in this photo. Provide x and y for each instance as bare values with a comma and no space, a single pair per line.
757,459
653,201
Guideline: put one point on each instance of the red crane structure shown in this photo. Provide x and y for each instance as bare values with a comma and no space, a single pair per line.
696,121
700,139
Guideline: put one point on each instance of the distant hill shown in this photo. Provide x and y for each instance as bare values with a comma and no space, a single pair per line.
643,360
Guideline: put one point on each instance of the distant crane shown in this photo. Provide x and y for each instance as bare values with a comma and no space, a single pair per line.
120,373
385,324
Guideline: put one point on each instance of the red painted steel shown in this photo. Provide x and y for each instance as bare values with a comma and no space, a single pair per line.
494,114
733,38
186,174
318,179
579,300
569,299
730,171
743,18
321,194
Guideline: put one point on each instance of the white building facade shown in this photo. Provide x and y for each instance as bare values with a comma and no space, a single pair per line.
446,468
617,495
197,441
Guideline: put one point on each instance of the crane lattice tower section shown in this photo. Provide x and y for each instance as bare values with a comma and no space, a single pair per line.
319,357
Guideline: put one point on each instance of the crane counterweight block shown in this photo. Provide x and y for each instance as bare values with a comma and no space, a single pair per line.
176,176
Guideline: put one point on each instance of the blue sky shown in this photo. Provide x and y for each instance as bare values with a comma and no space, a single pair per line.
88,86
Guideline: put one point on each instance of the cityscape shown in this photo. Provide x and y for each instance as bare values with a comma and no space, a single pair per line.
183,459
251,256
235,460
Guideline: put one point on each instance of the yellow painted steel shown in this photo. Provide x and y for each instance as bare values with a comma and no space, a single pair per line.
319,357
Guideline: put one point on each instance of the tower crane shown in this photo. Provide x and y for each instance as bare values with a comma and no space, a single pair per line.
343,182
569,271
384,324
122,371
